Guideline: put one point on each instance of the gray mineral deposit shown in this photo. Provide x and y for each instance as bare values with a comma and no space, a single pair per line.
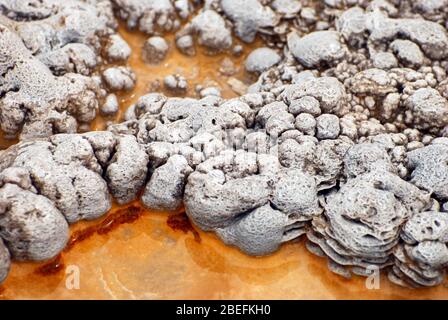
154,50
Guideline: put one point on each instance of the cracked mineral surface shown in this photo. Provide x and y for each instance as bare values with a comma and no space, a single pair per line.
265,122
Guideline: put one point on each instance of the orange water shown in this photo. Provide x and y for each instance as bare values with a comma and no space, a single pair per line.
203,69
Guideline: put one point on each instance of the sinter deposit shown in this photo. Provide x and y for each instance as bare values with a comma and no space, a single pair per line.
342,138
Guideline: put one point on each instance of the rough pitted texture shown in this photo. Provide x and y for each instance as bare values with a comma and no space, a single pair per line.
429,169
51,51
46,184
362,220
422,258
254,194
429,109
66,35
249,17
165,189
314,49
211,30
430,36
149,16
71,170
366,157
322,159
33,99
178,134
31,226
64,169
126,171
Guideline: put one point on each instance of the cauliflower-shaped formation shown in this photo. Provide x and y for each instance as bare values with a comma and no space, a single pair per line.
429,169
5,261
328,91
176,83
31,225
155,50
362,220
317,48
366,157
68,169
428,108
250,200
357,26
372,82
67,36
36,102
149,16
327,126
211,29
47,183
179,119
179,134
117,49
65,170
249,17
422,258
23,10
119,78
321,159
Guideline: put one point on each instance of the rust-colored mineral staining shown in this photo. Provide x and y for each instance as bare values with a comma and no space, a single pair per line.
180,221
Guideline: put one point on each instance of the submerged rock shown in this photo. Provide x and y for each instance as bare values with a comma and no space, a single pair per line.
5,261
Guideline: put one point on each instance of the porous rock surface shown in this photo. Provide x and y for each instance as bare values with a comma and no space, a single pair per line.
50,53
261,204
5,261
422,257
261,59
211,30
